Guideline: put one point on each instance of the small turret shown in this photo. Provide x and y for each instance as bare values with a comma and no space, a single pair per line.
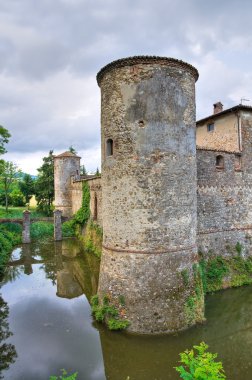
66,165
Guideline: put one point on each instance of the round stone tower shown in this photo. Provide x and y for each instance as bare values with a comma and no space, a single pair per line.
149,192
66,165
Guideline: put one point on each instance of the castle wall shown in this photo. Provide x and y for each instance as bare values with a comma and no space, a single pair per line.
76,193
95,197
96,200
224,203
149,191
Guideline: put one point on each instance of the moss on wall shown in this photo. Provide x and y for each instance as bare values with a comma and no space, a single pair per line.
92,238
89,232
113,314
220,272
194,305
82,215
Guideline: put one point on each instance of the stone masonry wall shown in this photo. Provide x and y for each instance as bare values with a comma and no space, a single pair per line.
224,203
149,191
64,167
95,197
96,200
76,191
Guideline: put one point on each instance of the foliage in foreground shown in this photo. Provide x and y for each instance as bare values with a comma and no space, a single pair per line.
65,376
198,364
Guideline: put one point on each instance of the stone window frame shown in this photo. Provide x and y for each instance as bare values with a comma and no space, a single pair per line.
210,127
219,162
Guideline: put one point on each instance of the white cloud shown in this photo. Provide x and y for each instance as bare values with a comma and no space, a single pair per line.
52,50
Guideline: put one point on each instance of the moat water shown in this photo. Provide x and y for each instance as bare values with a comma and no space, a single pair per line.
45,305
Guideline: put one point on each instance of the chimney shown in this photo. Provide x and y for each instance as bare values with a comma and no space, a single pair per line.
217,107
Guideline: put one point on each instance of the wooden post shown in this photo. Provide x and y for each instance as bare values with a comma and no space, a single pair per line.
26,236
57,225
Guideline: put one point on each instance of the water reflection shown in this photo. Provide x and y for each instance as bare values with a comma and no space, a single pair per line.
228,331
53,328
8,352
53,332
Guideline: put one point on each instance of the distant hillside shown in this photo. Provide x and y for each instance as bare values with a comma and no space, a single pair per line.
20,175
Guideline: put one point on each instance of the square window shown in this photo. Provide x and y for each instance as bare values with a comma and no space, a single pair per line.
210,127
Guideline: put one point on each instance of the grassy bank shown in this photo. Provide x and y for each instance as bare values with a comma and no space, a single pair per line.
225,272
10,235
17,212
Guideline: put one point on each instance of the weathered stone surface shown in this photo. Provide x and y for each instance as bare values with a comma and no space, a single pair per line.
57,225
65,165
26,236
149,191
225,197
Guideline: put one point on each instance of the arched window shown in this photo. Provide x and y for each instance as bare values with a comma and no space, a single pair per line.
219,162
109,147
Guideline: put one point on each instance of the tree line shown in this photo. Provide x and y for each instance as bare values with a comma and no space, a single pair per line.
17,188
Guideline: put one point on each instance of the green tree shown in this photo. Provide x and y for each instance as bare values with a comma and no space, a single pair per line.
4,139
44,185
83,170
8,175
72,150
27,187
16,197
200,365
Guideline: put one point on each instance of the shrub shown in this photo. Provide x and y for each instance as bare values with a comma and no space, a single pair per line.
41,229
213,272
109,313
10,235
200,365
116,324
65,376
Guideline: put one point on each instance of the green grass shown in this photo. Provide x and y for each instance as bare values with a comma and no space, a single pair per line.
17,212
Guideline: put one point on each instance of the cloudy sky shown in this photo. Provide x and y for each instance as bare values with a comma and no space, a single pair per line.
51,50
